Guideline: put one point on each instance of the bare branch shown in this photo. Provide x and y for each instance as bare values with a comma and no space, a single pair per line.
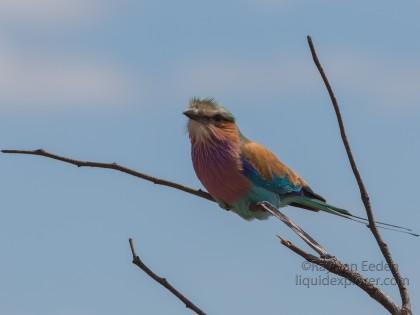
117,167
337,267
162,281
406,306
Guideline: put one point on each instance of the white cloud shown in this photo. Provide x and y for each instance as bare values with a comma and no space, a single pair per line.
37,78
48,11
30,80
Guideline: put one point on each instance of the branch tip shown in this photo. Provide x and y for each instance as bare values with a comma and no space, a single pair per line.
133,250
284,241
162,281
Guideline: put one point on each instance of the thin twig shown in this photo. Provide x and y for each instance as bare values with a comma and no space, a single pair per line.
406,306
162,281
159,181
337,267
295,228
114,166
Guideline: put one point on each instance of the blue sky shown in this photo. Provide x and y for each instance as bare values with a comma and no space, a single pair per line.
108,80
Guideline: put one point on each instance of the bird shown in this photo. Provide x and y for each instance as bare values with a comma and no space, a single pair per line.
240,174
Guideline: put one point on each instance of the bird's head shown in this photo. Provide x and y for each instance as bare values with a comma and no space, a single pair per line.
209,121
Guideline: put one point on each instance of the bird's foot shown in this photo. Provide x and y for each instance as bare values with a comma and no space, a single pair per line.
223,205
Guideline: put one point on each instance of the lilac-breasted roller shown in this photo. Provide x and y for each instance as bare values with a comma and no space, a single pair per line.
239,173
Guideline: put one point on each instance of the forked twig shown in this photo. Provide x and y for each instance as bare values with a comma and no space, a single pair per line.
335,266
295,228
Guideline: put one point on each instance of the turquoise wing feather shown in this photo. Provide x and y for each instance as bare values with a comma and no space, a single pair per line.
263,169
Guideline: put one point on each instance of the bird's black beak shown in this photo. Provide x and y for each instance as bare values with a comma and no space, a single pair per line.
191,114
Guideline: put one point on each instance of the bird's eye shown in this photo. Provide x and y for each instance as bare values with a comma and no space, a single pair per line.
217,117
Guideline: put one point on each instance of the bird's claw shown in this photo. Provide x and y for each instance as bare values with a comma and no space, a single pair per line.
223,205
